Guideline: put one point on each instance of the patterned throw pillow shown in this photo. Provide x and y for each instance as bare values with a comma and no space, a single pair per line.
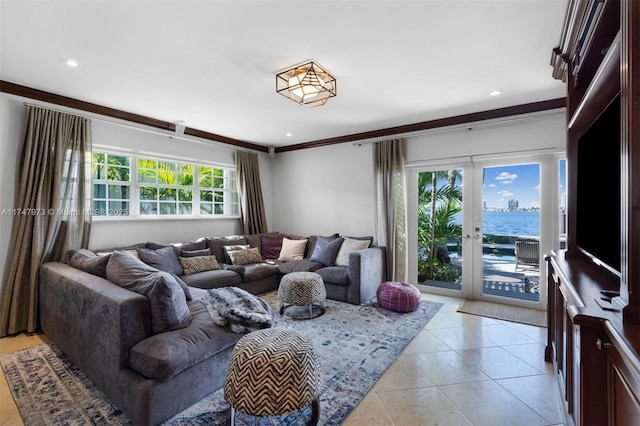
245,257
194,264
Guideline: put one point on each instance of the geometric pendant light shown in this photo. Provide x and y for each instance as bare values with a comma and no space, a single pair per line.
307,84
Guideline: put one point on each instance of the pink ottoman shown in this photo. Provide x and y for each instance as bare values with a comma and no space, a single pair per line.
398,297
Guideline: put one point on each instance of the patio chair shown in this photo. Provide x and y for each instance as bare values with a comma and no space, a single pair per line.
527,253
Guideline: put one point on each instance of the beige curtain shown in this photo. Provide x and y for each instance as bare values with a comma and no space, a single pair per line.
51,208
390,204
251,202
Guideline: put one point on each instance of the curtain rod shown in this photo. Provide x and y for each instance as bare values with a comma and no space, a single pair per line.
142,129
468,127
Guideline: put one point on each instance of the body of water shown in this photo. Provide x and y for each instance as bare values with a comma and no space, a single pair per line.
517,223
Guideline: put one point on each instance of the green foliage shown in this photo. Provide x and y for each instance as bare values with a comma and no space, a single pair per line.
439,200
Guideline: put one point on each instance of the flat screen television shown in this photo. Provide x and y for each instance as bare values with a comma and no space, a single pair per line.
598,190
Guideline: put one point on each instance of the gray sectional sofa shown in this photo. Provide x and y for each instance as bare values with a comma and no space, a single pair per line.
100,309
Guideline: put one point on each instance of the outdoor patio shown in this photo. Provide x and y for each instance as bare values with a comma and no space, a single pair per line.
500,278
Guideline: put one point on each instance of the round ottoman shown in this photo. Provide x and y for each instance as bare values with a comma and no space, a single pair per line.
398,297
273,372
302,289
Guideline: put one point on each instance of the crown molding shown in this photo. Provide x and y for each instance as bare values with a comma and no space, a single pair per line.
53,98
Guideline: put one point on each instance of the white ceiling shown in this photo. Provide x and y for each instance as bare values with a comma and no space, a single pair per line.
212,64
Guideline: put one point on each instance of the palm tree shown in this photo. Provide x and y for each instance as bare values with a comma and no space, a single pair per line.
436,211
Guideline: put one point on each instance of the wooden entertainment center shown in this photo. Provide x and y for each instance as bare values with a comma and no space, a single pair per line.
594,340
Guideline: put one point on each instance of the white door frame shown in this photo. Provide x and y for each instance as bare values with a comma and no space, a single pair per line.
472,190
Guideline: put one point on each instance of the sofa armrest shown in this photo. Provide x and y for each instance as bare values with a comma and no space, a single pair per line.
92,320
367,270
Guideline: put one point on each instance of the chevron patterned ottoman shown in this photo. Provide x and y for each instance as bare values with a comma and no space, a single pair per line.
273,372
398,296
302,289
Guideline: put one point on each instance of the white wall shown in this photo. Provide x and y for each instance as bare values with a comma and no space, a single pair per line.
312,191
121,232
10,134
330,189
324,190
536,132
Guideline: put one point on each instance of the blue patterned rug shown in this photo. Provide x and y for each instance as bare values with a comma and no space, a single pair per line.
355,346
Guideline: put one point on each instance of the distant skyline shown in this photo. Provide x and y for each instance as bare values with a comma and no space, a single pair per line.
517,182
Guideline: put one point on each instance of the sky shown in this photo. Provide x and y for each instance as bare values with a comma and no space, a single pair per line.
517,182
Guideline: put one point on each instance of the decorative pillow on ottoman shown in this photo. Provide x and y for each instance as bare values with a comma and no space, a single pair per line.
398,297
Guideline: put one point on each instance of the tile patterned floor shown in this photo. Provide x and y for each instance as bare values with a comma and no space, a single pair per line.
466,370
459,370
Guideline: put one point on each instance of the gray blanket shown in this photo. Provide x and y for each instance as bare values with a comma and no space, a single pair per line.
240,310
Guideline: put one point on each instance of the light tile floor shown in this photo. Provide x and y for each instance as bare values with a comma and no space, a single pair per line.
459,370
466,370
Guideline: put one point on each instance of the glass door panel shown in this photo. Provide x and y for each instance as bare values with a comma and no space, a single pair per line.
510,232
439,230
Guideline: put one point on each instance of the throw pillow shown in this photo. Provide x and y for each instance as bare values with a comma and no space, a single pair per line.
169,309
349,245
123,268
164,259
271,246
88,261
292,249
326,250
194,253
245,257
194,264
230,248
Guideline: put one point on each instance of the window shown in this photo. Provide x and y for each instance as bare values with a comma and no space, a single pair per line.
135,187
111,184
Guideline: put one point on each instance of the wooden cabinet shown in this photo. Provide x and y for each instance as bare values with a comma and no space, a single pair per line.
594,343
575,338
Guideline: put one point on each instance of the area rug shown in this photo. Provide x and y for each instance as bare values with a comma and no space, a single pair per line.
355,346
505,312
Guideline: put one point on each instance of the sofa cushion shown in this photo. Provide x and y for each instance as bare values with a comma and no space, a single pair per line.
195,264
271,246
132,250
311,245
216,245
198,244
164,355
164,258
258,271
292,249
169,310
123,268
194,253
304,265
349,245
212,279
245,257
255,240
326,250
88,261
335,275
235,247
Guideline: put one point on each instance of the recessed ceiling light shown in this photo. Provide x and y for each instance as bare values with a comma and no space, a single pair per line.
70,63
288,135
494,93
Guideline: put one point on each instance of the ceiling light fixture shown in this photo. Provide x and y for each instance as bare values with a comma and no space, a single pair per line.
494,93
307,84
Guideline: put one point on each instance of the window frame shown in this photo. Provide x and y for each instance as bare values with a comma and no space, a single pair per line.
230,197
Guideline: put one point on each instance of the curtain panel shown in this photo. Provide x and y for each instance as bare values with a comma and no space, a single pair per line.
51,211
390,204
250,191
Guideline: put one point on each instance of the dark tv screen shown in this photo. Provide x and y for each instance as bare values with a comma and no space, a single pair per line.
598,190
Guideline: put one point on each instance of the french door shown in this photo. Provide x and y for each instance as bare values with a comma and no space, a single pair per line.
488,223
